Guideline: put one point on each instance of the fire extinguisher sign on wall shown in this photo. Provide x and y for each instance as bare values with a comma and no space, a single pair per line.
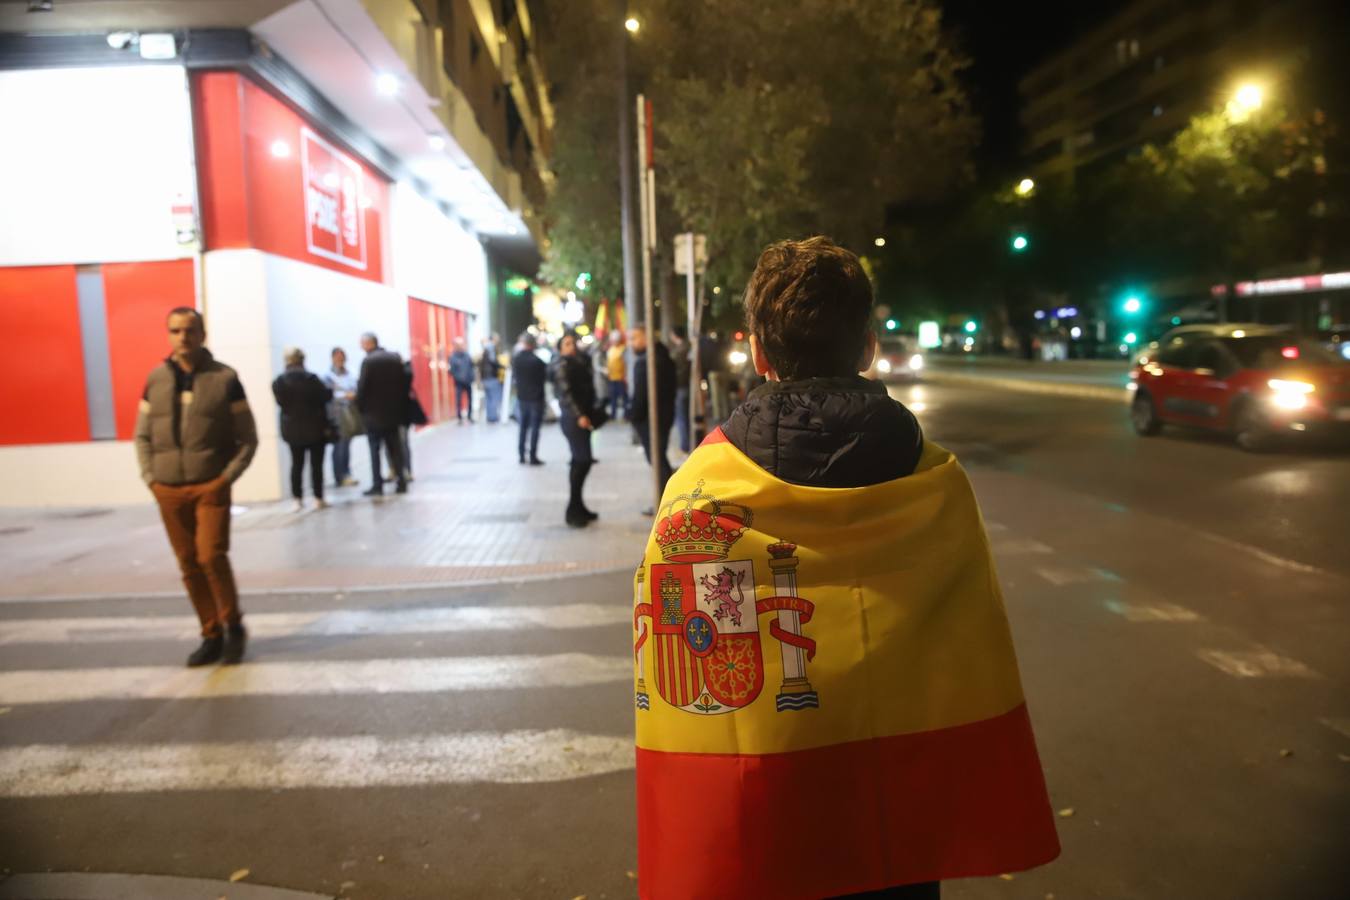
334,221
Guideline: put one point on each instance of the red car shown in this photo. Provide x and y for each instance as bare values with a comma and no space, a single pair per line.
1251,381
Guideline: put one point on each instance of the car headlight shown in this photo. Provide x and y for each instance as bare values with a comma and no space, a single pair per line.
737,357
884,366
916,362
1289,394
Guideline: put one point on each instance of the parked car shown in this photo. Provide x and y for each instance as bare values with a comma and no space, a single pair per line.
1252,381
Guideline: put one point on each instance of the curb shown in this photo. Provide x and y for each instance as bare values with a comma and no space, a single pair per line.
107,886
1031,386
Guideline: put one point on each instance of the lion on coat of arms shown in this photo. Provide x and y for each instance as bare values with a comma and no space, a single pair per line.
719,589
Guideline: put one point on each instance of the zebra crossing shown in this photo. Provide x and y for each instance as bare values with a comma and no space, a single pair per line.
500,658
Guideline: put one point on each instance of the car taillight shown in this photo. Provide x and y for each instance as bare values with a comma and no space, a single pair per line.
1289,353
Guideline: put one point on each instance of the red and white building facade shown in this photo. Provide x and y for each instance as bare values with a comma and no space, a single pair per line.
133,188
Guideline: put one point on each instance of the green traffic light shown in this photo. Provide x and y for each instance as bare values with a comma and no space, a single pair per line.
1020,242
1132,304
1131,338
891,324
971,327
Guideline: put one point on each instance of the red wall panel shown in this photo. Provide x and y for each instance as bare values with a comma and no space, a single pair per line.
217,99
138,297
42,369
422,352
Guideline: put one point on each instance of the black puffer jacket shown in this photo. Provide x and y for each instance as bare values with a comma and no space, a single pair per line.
303,399
574,386
827,432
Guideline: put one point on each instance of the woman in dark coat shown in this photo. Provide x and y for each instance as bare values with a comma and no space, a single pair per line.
303,400
574,386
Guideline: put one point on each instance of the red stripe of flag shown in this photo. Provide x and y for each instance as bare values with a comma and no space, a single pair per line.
953,803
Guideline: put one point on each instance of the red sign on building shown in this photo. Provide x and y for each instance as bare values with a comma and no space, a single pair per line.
335,223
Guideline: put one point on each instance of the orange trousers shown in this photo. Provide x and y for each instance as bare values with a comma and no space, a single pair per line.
197,519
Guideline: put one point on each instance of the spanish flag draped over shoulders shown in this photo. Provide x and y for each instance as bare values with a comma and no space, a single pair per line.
827,696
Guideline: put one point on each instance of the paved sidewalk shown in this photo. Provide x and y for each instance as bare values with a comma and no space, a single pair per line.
473,514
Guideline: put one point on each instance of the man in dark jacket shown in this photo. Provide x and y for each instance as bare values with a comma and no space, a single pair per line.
665,400
529,372
461,372
382,397
303,400
194,437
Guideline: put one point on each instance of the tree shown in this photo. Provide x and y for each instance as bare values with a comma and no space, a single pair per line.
772,120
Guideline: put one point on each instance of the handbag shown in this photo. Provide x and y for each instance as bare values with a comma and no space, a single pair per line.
349,421
599,416
416,414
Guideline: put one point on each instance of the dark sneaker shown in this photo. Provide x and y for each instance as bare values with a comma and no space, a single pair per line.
402,488
577,519
235,639
207,653
589,514
373,492
535,462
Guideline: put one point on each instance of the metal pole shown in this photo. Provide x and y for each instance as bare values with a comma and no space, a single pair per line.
648,239
630,272
695,317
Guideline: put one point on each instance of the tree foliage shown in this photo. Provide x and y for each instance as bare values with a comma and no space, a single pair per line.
772,120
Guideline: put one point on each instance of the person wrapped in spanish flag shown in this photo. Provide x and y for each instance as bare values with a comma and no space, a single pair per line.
828,702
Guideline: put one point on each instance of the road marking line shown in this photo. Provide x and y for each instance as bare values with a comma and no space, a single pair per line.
1059,576
511,757
340,622
508,580
1264,556
1153,612
371,676
1339,725
1020,547
1255,664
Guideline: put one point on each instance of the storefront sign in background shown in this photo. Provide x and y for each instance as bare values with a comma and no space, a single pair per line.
333,191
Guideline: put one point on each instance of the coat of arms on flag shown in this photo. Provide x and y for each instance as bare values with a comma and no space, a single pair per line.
704,637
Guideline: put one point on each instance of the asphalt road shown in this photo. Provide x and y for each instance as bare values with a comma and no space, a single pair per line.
1181,616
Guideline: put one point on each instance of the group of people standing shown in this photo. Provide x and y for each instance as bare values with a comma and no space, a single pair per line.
317,411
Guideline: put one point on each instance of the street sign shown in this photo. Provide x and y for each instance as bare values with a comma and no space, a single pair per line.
682,254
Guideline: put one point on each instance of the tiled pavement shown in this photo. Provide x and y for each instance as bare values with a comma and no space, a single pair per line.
473,514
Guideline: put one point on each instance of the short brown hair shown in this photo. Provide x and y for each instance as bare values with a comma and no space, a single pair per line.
809,303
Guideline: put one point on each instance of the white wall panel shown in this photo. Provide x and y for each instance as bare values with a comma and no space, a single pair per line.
434,258
92,164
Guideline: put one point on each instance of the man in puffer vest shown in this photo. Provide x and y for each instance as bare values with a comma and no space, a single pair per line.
194,437
826,693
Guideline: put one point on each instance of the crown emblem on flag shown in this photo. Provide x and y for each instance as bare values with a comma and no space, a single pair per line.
697,527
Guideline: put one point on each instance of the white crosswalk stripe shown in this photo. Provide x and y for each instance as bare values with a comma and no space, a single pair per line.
1258,663
122,758
512,757
438,620
371,676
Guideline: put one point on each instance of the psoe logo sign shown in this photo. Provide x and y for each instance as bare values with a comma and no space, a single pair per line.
334,225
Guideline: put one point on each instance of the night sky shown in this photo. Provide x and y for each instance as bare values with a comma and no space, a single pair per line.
1006,40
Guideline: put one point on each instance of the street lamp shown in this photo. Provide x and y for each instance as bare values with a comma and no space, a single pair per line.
632,24
1247,99
880,242
1249,96
1025,187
